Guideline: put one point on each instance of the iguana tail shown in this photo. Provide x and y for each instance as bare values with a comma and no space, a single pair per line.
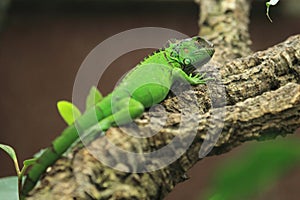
48,157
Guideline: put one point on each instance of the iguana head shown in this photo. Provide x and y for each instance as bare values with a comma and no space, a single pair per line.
190,53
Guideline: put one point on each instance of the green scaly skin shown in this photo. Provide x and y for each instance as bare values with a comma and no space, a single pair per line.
147,84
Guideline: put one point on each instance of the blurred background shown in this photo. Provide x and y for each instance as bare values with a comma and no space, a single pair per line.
43,43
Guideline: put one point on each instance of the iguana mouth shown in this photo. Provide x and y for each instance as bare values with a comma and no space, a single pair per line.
188,69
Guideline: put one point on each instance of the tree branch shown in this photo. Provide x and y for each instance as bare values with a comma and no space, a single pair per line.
262,101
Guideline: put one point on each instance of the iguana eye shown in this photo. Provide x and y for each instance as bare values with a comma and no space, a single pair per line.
187,61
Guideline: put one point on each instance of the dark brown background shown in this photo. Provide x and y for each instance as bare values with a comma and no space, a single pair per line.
42,47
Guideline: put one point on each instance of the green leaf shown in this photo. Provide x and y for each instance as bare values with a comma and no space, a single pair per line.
26,163
29,162
254,169
9,188
68,111
11,152
94,97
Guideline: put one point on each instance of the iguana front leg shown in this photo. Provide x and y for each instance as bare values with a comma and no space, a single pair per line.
193,80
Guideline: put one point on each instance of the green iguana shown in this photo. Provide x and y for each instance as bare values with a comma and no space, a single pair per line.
145,85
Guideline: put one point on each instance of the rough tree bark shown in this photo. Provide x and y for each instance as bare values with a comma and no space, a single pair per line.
262,101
